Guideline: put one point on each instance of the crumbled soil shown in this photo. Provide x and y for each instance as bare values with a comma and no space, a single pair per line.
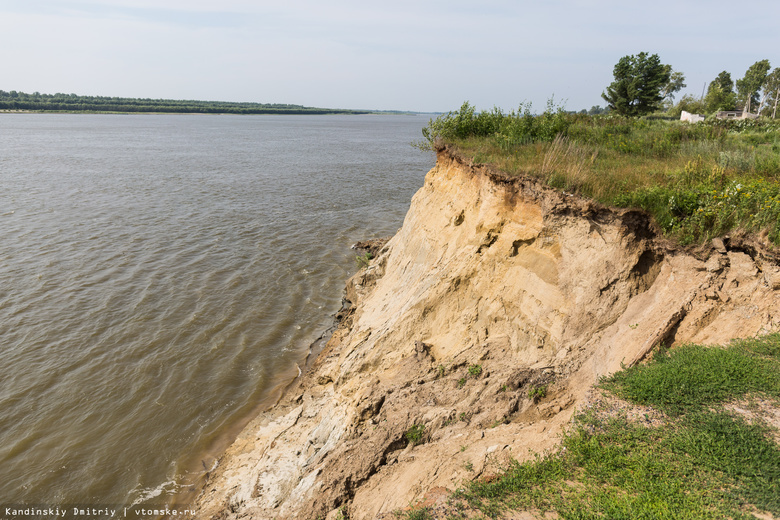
759,410
605,405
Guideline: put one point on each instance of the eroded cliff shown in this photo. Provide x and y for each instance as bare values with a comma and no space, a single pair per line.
494,287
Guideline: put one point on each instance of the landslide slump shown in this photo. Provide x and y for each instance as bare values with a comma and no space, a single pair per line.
472,337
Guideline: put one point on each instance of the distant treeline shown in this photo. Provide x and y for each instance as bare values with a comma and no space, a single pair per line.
36,101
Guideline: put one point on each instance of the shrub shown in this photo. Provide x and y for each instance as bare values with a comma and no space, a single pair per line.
511,129
415,434
363,260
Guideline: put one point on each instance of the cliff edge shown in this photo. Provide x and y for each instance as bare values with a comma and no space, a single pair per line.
472,338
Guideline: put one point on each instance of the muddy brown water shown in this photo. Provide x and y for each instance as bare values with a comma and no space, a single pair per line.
161,276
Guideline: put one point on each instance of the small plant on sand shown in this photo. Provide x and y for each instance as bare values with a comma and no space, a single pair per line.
363,260
538,392
461,382
475,370
415,434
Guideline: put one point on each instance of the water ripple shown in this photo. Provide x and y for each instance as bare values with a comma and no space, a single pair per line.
160,276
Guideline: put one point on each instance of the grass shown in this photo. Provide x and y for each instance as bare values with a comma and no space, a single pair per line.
415,434
692,377
698,181
703,463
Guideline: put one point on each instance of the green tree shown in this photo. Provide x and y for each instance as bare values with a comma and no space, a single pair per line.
638,83
772,88
724,81
749,86
720,94
675,84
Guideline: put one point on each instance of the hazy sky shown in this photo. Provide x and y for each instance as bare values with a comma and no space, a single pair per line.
405,55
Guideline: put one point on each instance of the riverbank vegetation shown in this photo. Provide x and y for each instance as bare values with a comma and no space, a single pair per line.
698,180
37,102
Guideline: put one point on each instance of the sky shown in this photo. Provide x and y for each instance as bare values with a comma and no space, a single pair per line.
426,56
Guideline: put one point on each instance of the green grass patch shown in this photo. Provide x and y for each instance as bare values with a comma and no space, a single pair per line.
766,345
704,463
692,376
739,452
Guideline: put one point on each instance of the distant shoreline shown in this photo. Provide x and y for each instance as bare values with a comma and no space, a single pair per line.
21,102
69,103
335,112
214,113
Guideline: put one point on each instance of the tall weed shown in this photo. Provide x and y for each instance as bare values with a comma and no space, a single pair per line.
565,163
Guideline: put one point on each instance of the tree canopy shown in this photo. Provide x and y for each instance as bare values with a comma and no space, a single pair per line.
749,86
720,94
638,83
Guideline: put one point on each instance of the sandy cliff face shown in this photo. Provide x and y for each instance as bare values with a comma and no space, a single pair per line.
492,288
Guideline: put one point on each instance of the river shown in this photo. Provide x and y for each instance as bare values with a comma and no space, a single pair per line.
161,276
